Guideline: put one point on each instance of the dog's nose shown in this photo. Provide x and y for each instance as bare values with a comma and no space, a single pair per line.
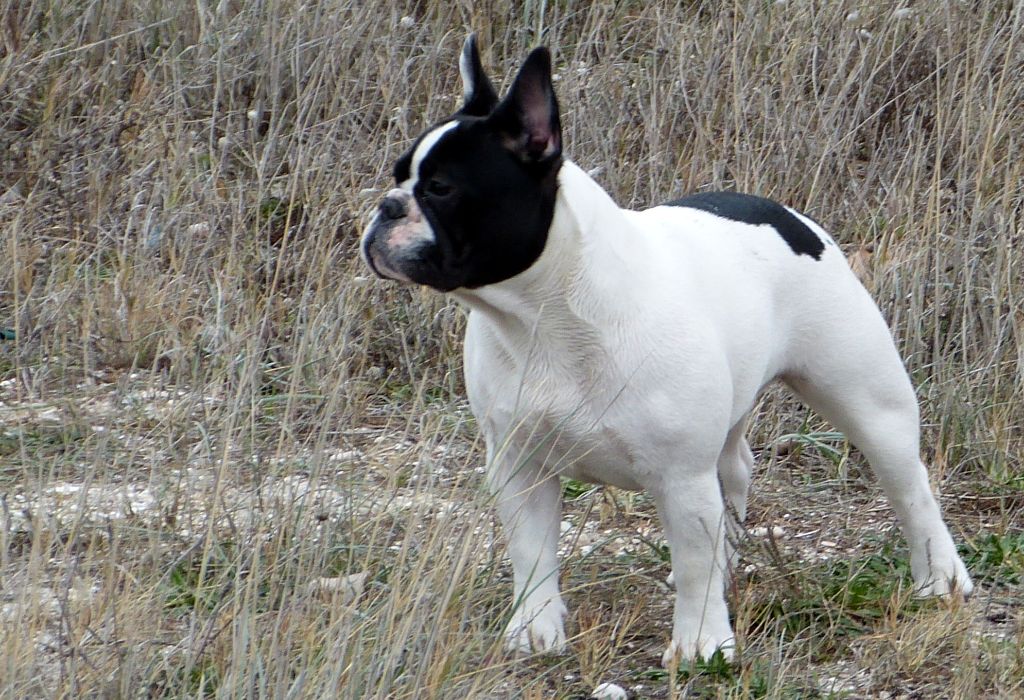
392,208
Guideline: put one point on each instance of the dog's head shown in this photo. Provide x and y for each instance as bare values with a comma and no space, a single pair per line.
475,194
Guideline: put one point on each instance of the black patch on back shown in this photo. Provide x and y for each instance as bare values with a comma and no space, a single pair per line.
753,210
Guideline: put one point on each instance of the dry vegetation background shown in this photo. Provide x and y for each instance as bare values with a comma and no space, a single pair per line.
233,466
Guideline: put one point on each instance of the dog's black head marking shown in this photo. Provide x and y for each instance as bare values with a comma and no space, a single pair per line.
486,178
750,209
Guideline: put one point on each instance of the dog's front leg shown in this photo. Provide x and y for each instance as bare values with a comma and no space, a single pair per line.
528,504
693,515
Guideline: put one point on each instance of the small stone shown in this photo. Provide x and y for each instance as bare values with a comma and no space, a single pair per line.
348,588
345,456
200,230
609,691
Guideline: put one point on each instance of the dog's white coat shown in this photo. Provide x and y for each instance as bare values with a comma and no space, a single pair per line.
631,353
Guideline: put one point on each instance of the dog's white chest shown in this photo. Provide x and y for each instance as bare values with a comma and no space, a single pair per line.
573,408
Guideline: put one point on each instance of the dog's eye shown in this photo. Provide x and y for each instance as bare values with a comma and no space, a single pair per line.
438,188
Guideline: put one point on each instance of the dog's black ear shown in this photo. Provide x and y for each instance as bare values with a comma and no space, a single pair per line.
478,94
528,116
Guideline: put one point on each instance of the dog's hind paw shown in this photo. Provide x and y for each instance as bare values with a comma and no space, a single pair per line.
538,630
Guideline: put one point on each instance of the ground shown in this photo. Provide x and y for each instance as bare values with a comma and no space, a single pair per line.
821,596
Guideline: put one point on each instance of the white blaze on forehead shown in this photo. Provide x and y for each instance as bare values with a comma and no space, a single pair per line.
428,142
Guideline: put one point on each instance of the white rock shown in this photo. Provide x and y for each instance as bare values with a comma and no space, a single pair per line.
49,415
609,691
344,456
347,588
201,229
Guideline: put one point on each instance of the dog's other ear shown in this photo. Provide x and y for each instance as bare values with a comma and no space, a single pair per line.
478,94
528,116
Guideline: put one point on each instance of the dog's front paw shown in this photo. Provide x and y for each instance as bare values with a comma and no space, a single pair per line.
943,580
704,647
538,629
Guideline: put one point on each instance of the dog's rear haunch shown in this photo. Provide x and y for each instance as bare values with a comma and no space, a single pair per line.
628,347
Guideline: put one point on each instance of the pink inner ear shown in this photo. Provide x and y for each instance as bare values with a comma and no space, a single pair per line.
540,139
541,143
536,115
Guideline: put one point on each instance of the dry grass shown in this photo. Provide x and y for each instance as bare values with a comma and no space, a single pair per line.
206,410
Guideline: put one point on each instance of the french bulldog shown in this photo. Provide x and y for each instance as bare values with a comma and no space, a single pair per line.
629,347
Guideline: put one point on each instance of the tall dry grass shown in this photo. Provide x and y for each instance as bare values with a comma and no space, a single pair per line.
207,409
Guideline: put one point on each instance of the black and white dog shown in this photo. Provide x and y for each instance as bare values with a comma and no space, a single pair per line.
628,347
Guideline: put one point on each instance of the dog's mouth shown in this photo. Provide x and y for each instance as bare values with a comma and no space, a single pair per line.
383,269
376,258
405,251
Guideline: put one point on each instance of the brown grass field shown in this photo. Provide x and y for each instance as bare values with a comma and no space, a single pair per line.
232,465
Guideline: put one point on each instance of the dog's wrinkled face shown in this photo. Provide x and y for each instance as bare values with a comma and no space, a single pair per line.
475,194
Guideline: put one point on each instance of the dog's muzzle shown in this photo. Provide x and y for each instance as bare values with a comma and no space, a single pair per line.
395,236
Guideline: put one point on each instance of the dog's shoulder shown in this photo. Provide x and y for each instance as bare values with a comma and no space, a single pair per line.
795,229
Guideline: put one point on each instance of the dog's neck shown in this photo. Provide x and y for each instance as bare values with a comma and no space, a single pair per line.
559,285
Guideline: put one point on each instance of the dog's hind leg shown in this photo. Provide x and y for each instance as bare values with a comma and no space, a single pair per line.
856,381
735,470
735,467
